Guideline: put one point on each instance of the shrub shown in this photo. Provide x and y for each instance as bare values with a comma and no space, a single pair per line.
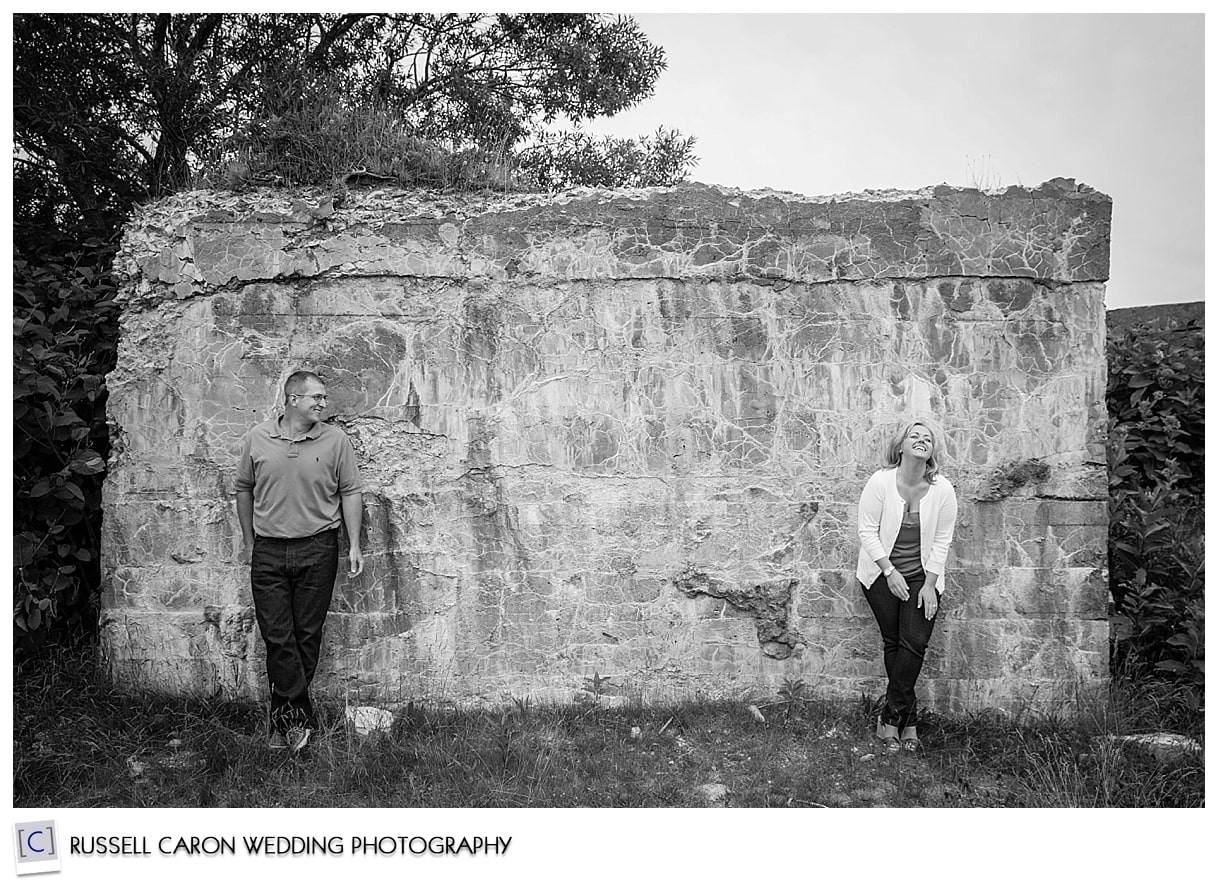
1156,394
1156,436
65,336
575,159
322,141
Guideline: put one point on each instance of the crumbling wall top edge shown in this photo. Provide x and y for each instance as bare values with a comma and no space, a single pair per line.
288,202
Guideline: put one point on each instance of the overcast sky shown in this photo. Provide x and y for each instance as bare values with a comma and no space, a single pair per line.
822,104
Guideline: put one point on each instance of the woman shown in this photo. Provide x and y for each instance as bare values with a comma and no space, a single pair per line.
907,514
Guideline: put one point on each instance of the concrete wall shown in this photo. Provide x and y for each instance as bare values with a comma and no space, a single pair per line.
619,433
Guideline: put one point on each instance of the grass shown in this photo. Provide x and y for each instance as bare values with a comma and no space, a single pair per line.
322,141
79,742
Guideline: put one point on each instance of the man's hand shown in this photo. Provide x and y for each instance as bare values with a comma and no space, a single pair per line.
898,586
928,601
245,553
353,516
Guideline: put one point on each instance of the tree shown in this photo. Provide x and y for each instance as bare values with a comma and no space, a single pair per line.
76,163
110,109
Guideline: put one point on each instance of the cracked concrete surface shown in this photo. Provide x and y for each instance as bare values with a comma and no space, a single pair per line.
562,404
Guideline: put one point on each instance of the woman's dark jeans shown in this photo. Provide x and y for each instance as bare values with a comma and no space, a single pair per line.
906,633
292,582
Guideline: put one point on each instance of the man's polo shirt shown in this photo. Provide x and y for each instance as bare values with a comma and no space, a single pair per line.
298,484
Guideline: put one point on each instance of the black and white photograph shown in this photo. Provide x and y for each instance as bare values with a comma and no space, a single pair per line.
516,410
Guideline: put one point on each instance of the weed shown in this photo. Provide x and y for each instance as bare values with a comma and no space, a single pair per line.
793,694
596,684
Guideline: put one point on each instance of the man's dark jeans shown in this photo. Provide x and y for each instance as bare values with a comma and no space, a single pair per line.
292,582
906,633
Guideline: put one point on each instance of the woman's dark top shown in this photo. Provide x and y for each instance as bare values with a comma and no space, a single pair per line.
906,554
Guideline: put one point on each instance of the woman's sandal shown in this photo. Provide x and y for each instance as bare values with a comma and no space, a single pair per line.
909,738
887,734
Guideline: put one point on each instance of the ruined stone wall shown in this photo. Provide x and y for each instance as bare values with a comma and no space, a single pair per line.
619,434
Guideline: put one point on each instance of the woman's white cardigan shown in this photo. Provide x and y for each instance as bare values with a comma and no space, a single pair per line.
881,509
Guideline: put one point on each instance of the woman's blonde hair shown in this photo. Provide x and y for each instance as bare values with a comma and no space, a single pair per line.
892,453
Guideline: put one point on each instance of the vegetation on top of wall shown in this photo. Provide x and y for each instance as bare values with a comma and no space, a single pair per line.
323,140
573,159
1156,504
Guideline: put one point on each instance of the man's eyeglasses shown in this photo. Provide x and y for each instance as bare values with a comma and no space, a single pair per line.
316,398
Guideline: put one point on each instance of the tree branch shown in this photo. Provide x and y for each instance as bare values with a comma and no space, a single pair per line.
221,96
328,38
206,29
32,164
159,33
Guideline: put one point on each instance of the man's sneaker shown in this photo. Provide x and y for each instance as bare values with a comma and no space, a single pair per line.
277,742
298,737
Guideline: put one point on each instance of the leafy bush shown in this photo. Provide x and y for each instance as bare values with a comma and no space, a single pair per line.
1156,458
65,337
1156,394
575,159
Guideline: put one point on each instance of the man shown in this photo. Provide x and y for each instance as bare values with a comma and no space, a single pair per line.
296,482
